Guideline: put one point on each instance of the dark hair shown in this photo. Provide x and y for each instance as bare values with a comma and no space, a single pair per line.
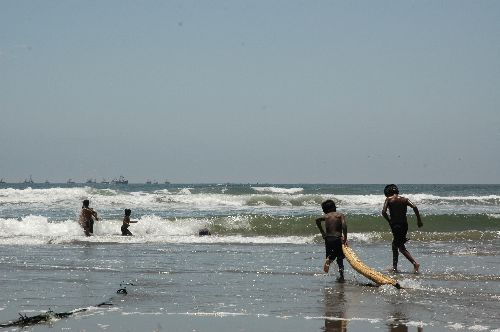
328,206
391,189
128,212
86,203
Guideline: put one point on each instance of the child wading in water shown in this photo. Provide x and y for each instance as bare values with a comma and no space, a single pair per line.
397,206
87,217
335,234
127,222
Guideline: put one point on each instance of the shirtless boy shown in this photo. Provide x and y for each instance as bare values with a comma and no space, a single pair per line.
87,217
126,223
398,222
334,234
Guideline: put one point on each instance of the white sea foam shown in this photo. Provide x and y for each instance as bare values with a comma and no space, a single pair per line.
479,328
42,196
33,230
185,191
265,199
277,190
417,324
364,237
455,326
36,226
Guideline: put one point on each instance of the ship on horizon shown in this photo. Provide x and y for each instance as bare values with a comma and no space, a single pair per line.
30,181
120,180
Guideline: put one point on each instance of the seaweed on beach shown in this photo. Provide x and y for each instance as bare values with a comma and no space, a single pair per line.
47,316
50,315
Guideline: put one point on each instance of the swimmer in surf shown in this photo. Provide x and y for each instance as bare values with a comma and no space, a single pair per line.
334,234
87,216
127,222
397,206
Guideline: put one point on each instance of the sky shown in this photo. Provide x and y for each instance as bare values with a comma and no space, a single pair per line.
261,91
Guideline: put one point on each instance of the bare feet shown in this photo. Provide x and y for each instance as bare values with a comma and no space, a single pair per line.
326,266
416,266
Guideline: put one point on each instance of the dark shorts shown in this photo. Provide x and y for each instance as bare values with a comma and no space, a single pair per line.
399,232
333,247
125,230
88,227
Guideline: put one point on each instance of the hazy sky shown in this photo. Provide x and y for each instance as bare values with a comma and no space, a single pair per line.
251,91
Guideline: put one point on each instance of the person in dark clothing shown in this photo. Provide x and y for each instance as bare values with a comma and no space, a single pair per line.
127,222
334,234
87,216
398,206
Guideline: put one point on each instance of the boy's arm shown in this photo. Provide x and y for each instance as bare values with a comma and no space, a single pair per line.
384,210
344,229
415,209
318,223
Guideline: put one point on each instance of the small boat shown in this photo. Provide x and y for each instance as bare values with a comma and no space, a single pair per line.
30,181
70,181
148,182
2,181
90,181
120,180
104,181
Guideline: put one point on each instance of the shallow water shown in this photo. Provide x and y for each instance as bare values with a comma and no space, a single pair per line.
211,287
261,270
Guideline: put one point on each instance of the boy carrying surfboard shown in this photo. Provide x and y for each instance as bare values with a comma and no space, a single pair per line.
334,234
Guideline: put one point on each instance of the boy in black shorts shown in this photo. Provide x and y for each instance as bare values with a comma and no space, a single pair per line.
126,223
335,234
398,206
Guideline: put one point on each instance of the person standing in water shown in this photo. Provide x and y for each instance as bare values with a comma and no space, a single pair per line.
127,222
398,206
334,234
87,217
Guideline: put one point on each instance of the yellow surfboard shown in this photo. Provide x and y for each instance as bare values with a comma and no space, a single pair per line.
365,270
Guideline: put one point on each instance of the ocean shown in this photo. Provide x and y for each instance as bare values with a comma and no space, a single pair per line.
259,270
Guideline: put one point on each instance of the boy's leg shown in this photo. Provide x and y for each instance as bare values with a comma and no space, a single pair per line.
409,257
326,266
395,255
340,263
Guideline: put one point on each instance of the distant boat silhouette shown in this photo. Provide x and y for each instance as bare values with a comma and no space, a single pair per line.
70,181
120,180
2,181
90,181
29,181
104,181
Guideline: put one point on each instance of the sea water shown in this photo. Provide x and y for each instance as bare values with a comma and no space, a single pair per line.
260,270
